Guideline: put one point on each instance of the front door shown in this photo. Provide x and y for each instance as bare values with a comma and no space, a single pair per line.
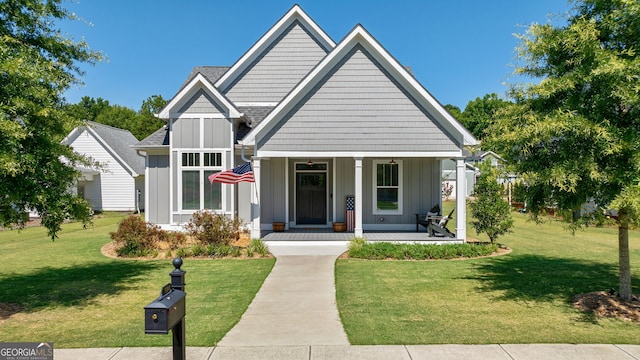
311,197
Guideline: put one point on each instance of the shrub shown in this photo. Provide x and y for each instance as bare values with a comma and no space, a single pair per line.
447,190
175,239
198,250
491,213
182,252
235,251
356,244
385,250
257,246
135,237
223,250
213,228
211,250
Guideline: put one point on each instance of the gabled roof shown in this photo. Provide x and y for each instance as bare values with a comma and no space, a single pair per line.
198,82
211,73
294,14
117,141
360,37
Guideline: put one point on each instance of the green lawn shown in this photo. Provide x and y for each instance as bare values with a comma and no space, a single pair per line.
70,294
522,297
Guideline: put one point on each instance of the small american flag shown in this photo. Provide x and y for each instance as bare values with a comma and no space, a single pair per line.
240,173
351,218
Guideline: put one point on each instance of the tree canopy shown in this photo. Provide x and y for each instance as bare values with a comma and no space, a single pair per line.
37,64
141,123
574,135
479,114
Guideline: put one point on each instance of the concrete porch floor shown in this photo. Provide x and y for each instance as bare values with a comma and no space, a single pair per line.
329,235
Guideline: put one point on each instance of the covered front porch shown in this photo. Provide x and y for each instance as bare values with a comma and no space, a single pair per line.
305,195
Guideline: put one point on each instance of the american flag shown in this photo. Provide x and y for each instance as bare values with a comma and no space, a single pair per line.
240,173
351,218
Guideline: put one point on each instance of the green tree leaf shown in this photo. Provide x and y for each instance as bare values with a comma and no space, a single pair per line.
574,135
37,64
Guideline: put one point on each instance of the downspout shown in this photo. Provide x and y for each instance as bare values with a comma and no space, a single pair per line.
242,154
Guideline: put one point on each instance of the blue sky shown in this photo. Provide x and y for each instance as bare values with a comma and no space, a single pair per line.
458,49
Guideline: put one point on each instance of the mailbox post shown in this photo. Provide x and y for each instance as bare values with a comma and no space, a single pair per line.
168,310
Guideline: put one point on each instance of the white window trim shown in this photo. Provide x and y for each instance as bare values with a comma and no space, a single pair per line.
201,169
374,189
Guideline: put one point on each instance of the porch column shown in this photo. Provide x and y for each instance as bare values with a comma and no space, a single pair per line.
357,231
255,200
461,200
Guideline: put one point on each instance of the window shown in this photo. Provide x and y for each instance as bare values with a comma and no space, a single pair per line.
212,192
197,191
190,159
191,190
387,187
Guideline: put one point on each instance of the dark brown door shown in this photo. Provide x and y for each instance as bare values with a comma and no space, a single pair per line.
311,198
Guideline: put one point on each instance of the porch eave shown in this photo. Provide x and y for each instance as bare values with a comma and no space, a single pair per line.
357,154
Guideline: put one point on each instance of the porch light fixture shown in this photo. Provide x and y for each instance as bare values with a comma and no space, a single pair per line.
309,163
392,162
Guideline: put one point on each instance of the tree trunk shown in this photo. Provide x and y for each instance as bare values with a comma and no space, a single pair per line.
623,255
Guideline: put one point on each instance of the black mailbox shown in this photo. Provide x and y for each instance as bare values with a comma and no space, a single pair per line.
164,313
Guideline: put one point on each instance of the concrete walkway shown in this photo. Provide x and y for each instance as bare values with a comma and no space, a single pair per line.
394,352
296,305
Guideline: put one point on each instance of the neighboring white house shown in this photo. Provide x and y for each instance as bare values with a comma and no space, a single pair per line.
119,184
472,169
329,128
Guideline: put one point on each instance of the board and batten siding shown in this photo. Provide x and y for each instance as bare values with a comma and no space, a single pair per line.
243,198
116,191
345,185
279,68
272,190
216,133
158,190
185,133
421,190
357,107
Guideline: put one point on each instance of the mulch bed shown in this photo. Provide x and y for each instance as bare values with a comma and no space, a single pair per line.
9,309
604,304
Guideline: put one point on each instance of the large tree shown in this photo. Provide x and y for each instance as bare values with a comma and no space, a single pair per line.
480,113
574,134
148,123
37,64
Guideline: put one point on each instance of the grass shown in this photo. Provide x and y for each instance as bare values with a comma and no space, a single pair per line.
68,293
522,297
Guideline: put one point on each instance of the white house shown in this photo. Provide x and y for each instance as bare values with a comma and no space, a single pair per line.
325,125
473,161
119,184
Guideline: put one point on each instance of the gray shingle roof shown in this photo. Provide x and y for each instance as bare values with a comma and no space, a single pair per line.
211,73
159,138
255,114
120,141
